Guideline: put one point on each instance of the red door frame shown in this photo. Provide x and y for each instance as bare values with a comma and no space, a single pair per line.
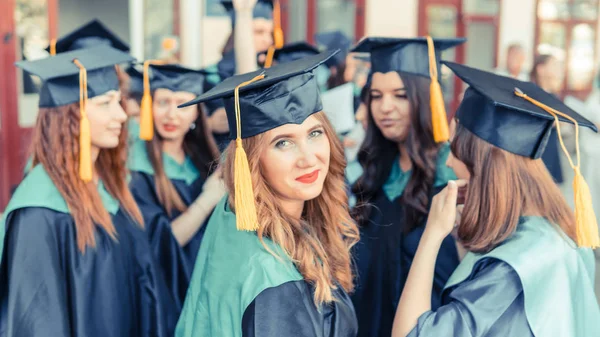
14,140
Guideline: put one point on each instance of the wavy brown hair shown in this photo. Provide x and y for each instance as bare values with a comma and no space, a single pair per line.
55,146
202,149
377,155
320,243
503,187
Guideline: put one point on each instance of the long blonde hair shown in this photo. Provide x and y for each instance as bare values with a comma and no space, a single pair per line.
320,243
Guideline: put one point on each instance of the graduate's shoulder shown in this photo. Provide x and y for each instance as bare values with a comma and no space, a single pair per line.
37,190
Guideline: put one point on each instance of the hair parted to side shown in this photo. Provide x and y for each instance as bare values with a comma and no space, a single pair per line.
502,188
202,149
320,243
55,146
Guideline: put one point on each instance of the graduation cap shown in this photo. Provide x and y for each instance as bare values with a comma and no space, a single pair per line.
518,117
332,41
165,76
92,34
415,56
262,10
136,81
257,102
294,51
73,77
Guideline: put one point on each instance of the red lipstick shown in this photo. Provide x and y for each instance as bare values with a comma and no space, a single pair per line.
309,178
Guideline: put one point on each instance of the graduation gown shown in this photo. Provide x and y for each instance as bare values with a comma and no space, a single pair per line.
537,283
175,262
240,289
49,288
384,253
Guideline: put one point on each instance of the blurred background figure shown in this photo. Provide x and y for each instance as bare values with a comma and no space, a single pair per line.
515,60
546,74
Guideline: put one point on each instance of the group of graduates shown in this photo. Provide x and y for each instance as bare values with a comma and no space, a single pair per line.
166,201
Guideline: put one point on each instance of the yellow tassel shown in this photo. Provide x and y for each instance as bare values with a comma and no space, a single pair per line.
53,47
146,119
245,208
586,226
439,120
270,56
585,218
85,139
85,157
278,38
277,31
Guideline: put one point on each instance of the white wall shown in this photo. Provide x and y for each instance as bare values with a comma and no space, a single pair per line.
391,17
113,13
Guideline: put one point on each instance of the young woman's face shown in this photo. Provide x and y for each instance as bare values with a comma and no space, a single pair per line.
106,117
263,34
171,123
390,107
295,161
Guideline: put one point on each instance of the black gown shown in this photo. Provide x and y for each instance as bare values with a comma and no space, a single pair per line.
289,310
384,255
176,263
49,288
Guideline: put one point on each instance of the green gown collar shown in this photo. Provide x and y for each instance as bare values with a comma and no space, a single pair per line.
139,161
398,179
557,278
38,190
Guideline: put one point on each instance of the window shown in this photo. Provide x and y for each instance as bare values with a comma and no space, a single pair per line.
161,33
302,19
567,30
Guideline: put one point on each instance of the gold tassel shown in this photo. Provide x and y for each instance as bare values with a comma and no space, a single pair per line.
586,226
439,120
245,207
85,140
146,120
53,47
278,39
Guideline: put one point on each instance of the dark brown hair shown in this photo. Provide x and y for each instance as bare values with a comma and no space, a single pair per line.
199,145
377,155
55,146
503,187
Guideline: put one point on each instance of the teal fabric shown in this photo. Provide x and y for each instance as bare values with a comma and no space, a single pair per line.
133,128
140,162
38,190
213,76
557,278
398,179
232,268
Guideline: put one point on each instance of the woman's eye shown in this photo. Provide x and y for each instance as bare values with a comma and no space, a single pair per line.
402,96
315,133
375,97
283,144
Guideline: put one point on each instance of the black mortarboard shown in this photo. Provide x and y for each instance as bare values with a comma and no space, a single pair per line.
89,35
177,78
136,81
263,10
403,55
257,102
294,51
289,93
518,117
332,41
75,76
60,75
491,110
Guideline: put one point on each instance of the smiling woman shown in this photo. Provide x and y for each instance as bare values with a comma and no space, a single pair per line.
278,263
